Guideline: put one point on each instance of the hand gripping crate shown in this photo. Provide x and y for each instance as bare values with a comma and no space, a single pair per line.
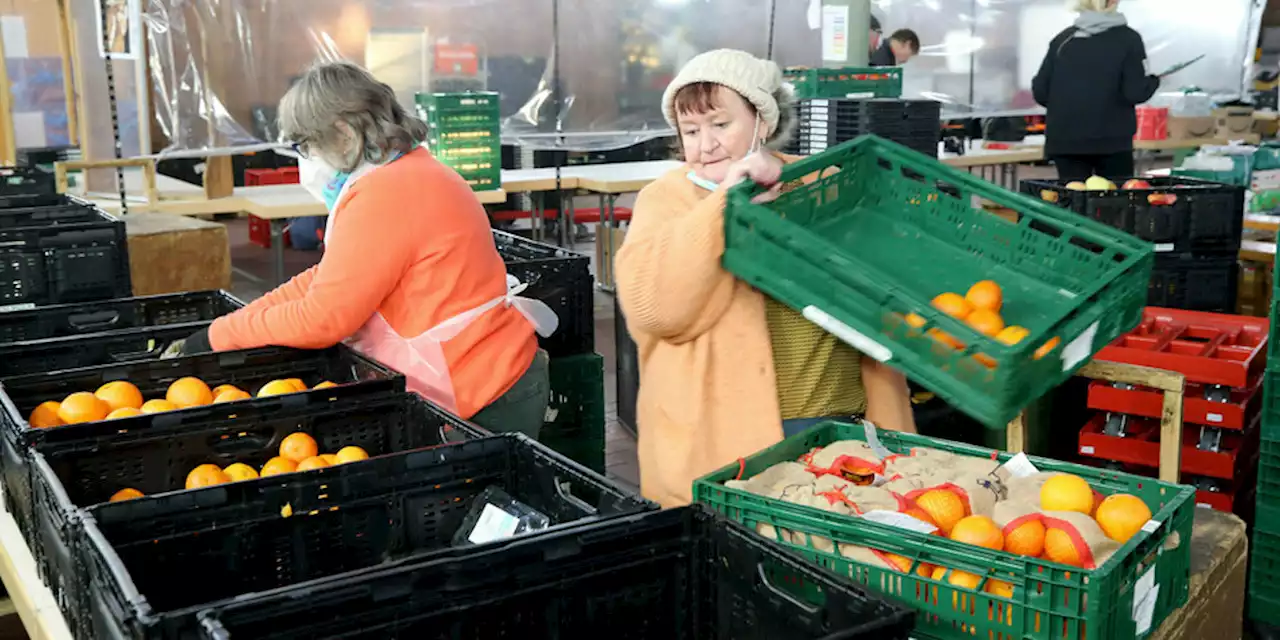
153,563
678,574
70,475
354,374
859,249
1127,597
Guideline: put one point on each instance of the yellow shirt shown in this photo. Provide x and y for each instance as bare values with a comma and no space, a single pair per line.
818,374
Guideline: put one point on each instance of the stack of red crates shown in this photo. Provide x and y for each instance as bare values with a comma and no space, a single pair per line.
1223,358
259,228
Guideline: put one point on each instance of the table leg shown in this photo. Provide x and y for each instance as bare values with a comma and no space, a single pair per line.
568,221
278,226
606,228
539,206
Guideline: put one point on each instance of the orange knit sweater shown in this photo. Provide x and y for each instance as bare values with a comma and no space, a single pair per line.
708,392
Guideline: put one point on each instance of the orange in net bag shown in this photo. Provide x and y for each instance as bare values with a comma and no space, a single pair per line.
1023,527
1076,540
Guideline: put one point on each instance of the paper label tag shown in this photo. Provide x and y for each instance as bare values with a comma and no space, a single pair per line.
493,524
1163,247
1080,349
1086,450
26,306
1020,466
1213,417
1151,526
873,440
1145,594
899,520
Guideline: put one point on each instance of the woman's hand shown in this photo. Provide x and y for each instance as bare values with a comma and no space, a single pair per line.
763,169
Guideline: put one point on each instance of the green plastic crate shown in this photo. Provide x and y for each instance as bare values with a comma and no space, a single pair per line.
845,82
1050,601
575,422
857,250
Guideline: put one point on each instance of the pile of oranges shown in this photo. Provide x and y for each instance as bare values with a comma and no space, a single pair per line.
979,308
298,452
121,399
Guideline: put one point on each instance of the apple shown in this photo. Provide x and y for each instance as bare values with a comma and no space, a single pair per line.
1161,199
1136,184
1048,196
1076,186
1098,183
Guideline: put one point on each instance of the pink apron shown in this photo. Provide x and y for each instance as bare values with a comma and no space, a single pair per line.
421,358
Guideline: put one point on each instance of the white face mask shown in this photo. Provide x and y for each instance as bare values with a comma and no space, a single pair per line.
711,185
319,178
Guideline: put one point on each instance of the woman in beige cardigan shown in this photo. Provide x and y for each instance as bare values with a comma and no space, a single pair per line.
724,370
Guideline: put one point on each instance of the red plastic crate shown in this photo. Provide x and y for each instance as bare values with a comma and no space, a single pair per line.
1237,413
1207,348
1141,446
1231,497
1153,123
260,232
264,177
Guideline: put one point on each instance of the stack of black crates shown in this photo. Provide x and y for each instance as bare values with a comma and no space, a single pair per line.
575,423
825,123
1194,225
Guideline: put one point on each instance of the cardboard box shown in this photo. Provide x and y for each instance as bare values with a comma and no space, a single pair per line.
172,254
1184,128
1234,123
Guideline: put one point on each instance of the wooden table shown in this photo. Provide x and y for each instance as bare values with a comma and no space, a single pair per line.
30,597
537,183
995,165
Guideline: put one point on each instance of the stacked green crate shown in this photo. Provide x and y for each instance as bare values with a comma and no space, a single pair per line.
575,416
465,132
1264,552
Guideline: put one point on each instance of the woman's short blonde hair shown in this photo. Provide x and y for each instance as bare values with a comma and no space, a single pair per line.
1101,6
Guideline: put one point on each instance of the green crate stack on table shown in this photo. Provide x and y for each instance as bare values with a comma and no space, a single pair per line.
844,82
465,132
1263,605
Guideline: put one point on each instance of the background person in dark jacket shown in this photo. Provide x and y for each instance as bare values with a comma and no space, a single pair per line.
902,46
1092,77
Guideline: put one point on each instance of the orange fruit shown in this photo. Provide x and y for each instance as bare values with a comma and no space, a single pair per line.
189,392
999,588
1059,548
240,471
953,305
903,564
276,388
1012,334
298,447
1027,539
988,323
985,295
119,395
1047,347
124,412
1122,516
331,458
946,339
1066,492
979,531
986,360
158,406
277,466
223,388
125,494
230,395
324,385
297,383
351,454
314,462
944,507
45,416
206,475
82,407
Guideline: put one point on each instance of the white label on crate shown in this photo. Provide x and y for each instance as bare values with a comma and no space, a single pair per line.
1080,349
1213,417
26,306
1267,180
816,130
1151,526
1020,466
860,95
551,414
1204,505
819,103
1086,450
899,520
815,109
493,524
1163,247
1145,594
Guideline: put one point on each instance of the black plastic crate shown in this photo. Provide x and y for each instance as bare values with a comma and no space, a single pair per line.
355,375
678,574
25,186
64,320
139,557
72,261
1196,282
561,279
1202,215
74,352
51,211
73,475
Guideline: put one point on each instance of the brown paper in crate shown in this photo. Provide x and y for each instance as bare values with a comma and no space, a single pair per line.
920,459
1091,544
852,459
774,481
809,497
882,560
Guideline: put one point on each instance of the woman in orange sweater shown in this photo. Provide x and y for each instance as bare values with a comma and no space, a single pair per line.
410,274
725,370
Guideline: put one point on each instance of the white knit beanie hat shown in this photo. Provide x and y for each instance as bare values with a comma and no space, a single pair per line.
759,81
